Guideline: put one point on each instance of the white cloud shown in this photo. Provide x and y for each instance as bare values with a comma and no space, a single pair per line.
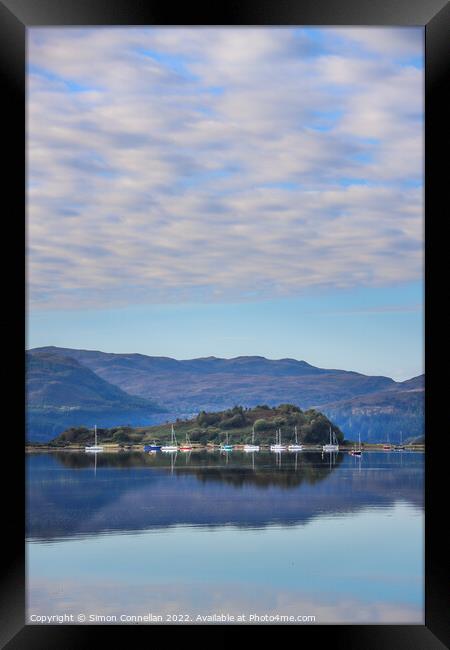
211,164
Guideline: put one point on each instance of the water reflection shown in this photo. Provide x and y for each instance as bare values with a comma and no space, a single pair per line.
72,494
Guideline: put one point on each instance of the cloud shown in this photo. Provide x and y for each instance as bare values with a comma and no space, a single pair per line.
178,164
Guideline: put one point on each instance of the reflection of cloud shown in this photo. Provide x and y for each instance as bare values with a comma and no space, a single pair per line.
46,597
212,164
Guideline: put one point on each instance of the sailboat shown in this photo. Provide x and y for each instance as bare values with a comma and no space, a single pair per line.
401,445
227,446
332,445
357,452
387,446
278,446
95,448
187,446
296,446
173,443
252,447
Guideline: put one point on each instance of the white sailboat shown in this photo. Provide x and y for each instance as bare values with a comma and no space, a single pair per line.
173,443
401,446
278,446
332,445
95,448
252,447
296,446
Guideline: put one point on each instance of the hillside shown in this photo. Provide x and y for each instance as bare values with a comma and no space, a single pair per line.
213,384
313,428
375,406
394,412
61,391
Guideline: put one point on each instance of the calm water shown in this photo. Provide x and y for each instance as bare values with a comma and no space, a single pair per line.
240,534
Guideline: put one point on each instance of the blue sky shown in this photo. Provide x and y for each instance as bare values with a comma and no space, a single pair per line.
196,192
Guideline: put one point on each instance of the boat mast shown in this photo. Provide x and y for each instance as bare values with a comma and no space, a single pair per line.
95,433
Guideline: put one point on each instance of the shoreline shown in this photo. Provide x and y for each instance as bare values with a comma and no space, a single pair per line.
111,448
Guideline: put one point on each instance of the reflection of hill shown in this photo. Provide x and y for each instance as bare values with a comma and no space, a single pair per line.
126,492
289,473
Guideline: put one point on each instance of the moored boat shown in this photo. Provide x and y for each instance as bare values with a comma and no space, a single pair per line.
187,445
227,446
401,446
173,443
152,448
95,448
296,446
278,446
332,445
357,452
252,447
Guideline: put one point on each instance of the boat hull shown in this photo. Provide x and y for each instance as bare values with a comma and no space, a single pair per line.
330,448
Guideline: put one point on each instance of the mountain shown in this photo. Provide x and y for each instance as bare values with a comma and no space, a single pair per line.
188,386
213,384
395,412
61,391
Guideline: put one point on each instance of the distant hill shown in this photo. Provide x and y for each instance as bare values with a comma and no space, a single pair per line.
61,391
312,426
396,411
211,383
215,384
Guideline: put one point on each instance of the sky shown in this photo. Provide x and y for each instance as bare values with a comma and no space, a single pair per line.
228,191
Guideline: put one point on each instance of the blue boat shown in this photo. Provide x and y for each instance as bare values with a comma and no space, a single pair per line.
227,446
153,447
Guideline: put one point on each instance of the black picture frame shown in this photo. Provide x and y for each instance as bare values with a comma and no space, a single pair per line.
15,17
